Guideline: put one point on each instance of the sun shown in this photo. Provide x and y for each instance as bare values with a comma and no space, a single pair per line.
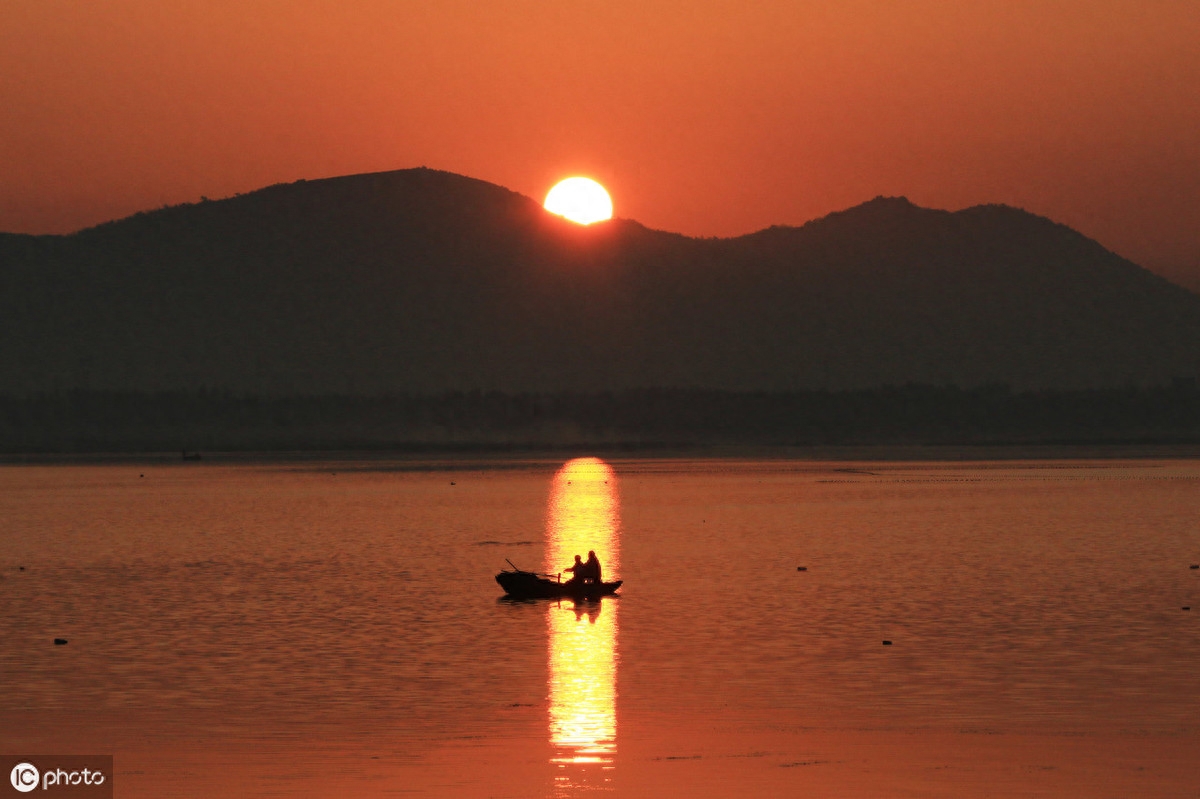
581,200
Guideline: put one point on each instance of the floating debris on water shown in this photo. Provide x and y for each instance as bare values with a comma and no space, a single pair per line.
60,641
887,643
801,568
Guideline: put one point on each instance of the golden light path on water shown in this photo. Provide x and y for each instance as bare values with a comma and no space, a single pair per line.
583,514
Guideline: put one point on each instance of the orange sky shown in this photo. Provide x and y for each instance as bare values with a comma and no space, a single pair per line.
707,117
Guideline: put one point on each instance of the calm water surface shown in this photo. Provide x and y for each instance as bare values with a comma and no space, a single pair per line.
263,617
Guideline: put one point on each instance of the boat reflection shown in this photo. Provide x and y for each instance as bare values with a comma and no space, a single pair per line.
584,514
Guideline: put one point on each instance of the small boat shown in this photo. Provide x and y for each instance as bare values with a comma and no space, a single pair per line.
520,584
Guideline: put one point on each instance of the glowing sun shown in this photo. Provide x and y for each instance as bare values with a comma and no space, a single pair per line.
581,200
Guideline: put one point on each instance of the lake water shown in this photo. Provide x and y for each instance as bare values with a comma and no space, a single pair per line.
326,629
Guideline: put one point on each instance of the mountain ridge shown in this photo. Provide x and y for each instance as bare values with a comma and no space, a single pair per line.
422,281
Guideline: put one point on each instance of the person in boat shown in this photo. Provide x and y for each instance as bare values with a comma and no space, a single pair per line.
592,567
579,570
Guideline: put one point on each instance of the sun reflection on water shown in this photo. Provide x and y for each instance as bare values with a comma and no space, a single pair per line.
584,514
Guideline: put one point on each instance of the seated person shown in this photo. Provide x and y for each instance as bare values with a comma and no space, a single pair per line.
592,568
579,569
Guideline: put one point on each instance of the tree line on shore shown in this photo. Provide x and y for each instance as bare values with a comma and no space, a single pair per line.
110,421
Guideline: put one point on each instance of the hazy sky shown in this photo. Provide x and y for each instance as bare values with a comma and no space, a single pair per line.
705,117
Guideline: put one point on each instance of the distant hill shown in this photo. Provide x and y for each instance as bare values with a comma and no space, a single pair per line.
423,281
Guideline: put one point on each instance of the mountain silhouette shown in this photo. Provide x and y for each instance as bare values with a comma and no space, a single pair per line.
423,281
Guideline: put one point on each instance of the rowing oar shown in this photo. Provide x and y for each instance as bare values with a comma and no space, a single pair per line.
539,574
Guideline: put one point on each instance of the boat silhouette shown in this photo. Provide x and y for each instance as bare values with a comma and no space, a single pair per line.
520,584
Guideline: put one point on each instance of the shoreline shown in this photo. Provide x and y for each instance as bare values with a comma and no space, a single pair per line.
496,455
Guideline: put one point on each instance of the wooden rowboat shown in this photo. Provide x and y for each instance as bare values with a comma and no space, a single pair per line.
520,584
